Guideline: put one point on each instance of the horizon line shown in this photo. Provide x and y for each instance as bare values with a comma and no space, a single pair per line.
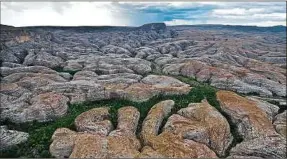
136,26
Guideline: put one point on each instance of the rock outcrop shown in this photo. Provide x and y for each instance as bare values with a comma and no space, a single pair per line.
43,69
27,92
168,144
10,138
197,131
94,121
260,139
92,142
197,123
223,56
280,123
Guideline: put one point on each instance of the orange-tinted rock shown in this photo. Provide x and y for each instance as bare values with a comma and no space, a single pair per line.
148,87
270,109
202,123
93,143
90,146
252,122
260,140
140,92
148,152
153,120
94,121
122,142
63,143
166,85
128,118
168,144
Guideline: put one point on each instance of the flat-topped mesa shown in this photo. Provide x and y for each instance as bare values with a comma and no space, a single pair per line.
153,26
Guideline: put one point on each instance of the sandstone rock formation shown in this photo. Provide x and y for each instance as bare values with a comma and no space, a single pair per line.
280,123
168,144
31,89
92,142
197,122
260,139
250,60
94,121
43,69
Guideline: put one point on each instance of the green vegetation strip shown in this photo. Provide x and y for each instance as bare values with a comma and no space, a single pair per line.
41,133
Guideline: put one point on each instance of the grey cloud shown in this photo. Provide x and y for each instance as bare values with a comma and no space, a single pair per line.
60,6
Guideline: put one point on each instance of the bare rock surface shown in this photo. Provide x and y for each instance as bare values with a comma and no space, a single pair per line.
5,71
262,147
252,121
270,109
45,68
280,123
197,131
21,103
260,138
94,121
63,142
168,144
196,122
229,76
238,58
123,142
117,86
20,84
9,138
43,107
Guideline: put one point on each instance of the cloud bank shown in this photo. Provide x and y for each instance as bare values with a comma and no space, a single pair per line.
139,13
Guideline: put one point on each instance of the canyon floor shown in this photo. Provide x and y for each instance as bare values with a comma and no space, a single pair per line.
154,91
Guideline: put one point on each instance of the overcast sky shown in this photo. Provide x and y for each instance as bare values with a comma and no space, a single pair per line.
136,13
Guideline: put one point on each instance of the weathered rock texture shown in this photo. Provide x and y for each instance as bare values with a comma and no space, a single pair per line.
197,131
168,144
239,58
260,139
280,122
9,138
40,93
92,142
197,122
45,68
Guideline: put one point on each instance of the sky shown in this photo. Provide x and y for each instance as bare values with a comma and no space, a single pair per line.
139,13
